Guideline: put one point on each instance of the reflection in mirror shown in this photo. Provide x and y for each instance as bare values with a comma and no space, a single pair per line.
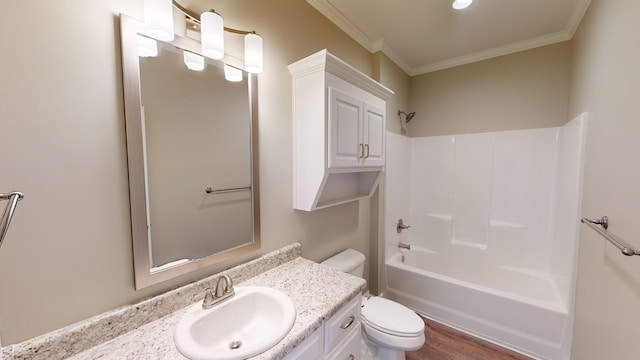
191,143
197,133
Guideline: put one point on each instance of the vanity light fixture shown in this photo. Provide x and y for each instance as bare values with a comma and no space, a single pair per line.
461,4
193,61
212,31
158,18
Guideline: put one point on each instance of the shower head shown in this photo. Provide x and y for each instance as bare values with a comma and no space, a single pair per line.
407,117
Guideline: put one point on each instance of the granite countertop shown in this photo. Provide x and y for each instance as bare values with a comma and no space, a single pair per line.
317,292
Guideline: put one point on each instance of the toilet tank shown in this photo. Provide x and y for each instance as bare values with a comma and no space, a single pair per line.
349,261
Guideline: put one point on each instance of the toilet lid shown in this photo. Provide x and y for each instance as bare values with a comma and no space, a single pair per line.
391,318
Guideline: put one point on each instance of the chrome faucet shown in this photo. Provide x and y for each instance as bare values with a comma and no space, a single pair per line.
402,245
223,291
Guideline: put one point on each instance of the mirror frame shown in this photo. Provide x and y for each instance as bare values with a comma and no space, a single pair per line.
129,30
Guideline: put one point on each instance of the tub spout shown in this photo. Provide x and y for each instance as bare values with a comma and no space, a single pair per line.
402,245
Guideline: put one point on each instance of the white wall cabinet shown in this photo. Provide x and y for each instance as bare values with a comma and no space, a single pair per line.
339,126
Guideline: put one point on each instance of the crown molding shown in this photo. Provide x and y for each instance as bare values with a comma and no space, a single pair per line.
336,17
323,60
576,19
382,46
492,53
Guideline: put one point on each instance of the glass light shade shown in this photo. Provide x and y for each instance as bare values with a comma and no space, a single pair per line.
147,47
232,74
158,19
193,61
253,53
212,32
461,4
179,22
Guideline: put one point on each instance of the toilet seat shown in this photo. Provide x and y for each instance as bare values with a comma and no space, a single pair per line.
401,343
391,318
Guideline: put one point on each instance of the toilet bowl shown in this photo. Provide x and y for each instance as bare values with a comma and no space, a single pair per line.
389,328
391,324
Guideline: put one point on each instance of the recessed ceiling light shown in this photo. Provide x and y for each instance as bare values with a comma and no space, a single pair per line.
461,4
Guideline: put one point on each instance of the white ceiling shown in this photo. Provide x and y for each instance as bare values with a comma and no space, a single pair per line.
422,36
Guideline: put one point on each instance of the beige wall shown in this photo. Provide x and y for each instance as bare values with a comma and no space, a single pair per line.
68,253
393,77
606,83
524,90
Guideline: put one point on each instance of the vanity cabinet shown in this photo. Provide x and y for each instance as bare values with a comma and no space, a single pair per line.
339,128
342,333
337,339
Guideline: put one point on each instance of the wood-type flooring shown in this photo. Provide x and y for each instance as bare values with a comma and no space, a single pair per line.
445,343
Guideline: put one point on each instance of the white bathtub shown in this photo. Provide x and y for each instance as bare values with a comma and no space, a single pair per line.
511,307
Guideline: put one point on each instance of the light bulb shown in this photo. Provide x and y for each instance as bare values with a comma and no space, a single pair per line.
232,74
193,61
212,32
253,53
158,19
461,4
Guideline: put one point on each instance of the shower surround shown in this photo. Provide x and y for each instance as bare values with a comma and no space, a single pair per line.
494,221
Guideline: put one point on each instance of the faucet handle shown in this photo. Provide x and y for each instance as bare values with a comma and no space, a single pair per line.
401,226
209,299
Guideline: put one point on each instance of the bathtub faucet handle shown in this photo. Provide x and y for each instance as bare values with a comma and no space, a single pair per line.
401,226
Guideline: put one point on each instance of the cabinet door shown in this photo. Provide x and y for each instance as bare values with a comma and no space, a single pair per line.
345,129
349,349
374,133
309,349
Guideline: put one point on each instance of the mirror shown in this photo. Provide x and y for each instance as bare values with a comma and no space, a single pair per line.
192,154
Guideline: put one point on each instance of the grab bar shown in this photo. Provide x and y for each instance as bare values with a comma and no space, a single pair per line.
229,190
13,198
618,243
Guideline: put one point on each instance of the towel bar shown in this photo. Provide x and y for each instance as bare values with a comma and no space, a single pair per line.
617,242
229,190
7,215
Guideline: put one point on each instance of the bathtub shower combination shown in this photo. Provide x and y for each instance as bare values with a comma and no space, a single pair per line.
494,222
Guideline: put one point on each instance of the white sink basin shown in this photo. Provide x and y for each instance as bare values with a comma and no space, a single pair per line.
252,321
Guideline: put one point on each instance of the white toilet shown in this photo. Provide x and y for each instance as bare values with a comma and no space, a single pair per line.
389,328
